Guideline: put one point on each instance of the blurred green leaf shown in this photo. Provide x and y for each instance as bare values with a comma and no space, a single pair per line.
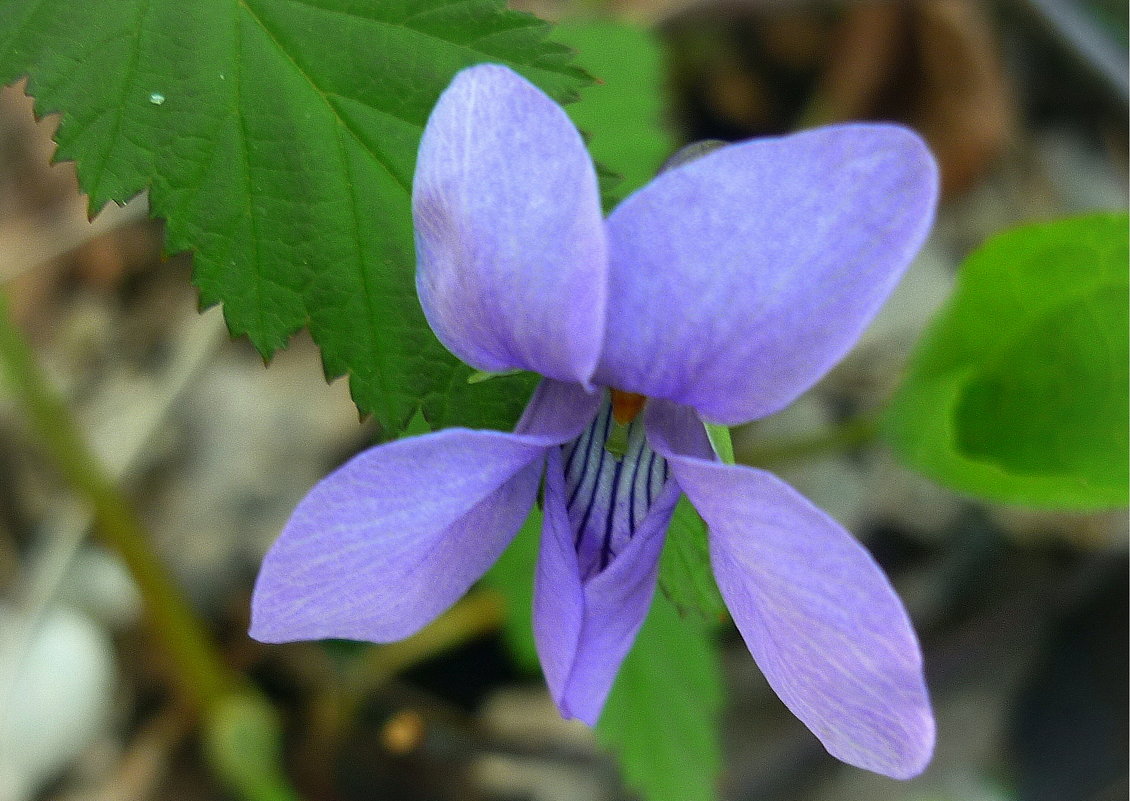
242,738
1018,391
685,574
1110,15
278,140
623,112
661,719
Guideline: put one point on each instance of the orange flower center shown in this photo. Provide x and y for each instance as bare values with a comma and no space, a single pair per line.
626,405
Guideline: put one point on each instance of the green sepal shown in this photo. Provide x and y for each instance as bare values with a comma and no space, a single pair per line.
720,441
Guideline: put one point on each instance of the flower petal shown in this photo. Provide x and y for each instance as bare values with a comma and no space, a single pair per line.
585,629
510,243
559,598
738,279
558,412
819,616
385,543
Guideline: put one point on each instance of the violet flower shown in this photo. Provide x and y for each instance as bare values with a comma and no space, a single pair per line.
720,291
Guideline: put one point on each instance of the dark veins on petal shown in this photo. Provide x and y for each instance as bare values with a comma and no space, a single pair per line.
609,496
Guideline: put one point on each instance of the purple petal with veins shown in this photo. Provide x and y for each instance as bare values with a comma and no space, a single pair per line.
606,517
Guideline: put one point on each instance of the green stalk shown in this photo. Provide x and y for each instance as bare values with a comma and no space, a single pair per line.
200,674
239,724
835,439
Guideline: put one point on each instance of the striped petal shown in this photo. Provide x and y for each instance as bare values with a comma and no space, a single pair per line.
605,522
607,498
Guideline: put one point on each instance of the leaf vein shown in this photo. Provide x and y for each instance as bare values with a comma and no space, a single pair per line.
18,28
321,93
244,139
370,307
120,109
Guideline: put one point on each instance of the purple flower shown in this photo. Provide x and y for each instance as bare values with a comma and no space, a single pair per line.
720,292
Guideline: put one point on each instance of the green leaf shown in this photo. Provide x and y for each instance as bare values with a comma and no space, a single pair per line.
661,719
497,403
1018,391
685,574
242,737
623,112
278,140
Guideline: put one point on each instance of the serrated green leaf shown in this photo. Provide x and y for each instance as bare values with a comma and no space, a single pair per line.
1018,392
278,140
623,111
661,719
685,574
497,403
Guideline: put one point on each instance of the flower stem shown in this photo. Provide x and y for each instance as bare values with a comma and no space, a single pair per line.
200,674
475,615
841,437
205,682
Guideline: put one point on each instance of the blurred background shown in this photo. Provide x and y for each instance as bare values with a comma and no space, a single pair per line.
1023,614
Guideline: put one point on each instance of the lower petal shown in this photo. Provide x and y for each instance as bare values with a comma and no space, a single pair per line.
816,611
585,629
391,539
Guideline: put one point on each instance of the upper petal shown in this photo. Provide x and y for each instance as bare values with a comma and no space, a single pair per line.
392,538
738,279
510,245
817,613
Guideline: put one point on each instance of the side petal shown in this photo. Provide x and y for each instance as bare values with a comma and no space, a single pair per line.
391,539
585,629
738,279
510,245
817,613
557,412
